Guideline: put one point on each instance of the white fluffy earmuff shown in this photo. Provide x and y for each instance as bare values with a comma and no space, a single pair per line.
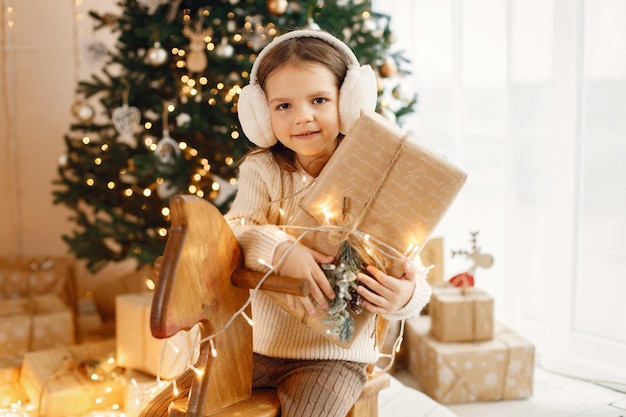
358,92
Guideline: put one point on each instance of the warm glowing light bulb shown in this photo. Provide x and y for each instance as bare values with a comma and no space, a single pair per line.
213,350
199,372
248,319
327,215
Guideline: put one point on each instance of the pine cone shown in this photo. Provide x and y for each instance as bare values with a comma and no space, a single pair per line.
356,301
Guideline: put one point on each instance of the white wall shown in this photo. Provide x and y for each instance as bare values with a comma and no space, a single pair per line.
36,79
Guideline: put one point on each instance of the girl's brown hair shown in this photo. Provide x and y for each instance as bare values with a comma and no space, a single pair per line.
293,51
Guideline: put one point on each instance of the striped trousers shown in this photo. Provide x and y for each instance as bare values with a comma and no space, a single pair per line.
311,388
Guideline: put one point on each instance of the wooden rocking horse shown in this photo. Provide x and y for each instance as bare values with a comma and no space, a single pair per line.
201,280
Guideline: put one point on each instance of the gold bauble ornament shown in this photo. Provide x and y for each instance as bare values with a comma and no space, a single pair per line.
277,7
156,55
388,68
83,111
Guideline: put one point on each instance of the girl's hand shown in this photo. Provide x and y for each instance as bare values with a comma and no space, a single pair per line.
302,262
384,294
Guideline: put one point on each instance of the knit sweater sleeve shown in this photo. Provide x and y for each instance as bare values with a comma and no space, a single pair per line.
252,217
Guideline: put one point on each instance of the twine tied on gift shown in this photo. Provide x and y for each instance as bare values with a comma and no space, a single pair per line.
369,248
87,370
68,364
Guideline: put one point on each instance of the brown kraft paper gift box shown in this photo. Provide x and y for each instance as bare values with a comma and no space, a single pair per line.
136,347
498,369
378,183
38,322
461,314
24,277
57,382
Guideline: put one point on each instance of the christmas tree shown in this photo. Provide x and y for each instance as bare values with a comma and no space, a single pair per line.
161,118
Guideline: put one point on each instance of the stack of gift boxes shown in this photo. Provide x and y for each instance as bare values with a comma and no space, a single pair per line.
47,363
458,353
37,306
41,365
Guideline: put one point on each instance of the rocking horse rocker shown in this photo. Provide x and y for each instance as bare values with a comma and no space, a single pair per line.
201,280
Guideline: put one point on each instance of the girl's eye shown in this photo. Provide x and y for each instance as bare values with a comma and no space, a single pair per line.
319,100
282,106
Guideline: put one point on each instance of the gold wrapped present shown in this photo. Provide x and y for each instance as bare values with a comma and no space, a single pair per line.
25,277
74,380
461,314
498,369
38,322
136,347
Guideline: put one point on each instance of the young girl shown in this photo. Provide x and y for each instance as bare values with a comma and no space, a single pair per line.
306,90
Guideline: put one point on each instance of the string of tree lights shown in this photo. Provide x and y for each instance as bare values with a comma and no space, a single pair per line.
160,118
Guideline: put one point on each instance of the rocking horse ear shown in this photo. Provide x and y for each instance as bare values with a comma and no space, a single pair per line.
358,91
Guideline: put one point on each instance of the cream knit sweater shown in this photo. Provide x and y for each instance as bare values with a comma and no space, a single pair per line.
267,197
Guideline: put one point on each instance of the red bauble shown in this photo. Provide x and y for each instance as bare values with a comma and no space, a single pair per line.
462,280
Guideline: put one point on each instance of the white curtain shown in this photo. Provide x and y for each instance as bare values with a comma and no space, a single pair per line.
529,97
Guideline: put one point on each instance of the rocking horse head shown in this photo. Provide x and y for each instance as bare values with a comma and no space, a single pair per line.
194,282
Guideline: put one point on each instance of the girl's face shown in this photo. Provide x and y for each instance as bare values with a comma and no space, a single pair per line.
304,111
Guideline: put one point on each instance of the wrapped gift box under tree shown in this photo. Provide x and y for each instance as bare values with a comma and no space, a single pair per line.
37,322
24,277
136,347
74,380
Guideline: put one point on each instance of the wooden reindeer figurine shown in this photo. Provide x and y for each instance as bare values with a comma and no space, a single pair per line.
201,280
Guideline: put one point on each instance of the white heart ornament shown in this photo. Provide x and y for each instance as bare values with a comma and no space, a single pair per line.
126,120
